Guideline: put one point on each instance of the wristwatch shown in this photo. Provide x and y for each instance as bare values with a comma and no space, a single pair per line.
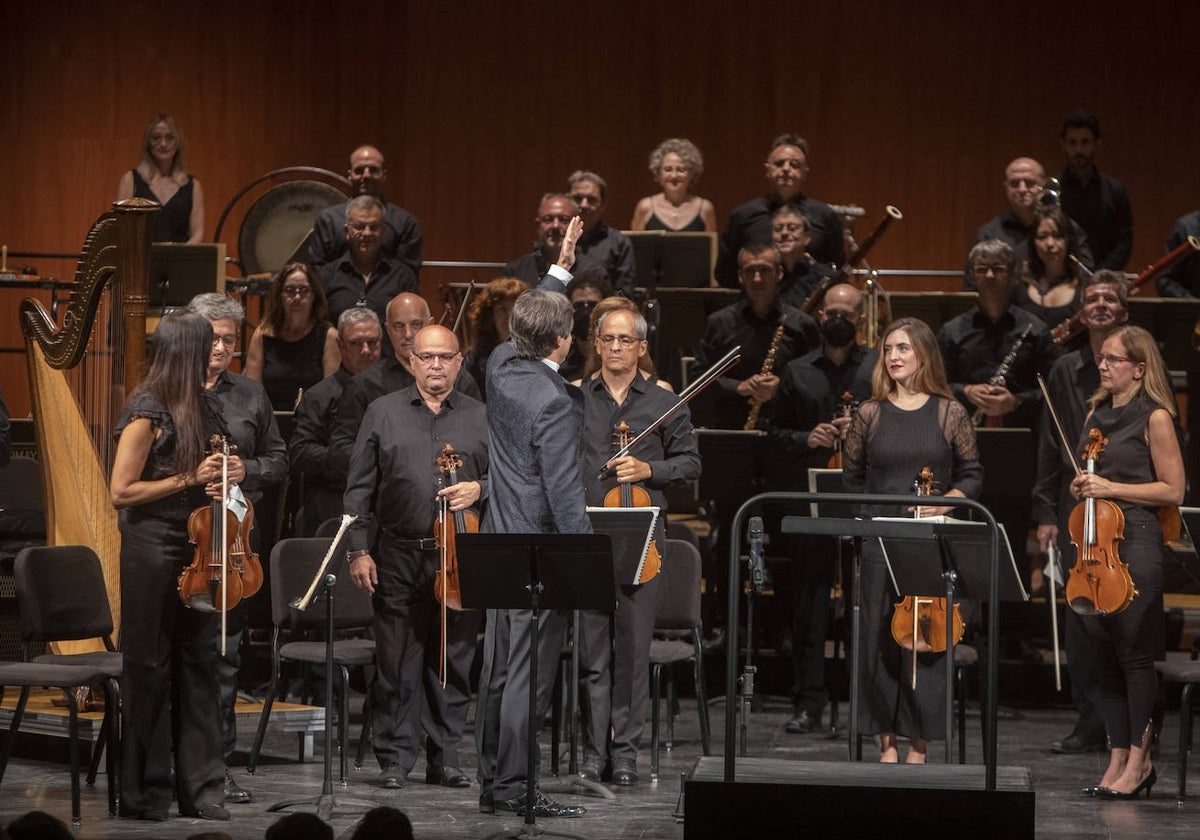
354,555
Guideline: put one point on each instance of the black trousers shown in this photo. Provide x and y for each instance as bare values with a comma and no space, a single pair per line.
169,689
813,560
614,672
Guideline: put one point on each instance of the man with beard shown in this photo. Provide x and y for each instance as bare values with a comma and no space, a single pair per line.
807,422
1073,379
1096,202
786,170
393,484
400,236
553,218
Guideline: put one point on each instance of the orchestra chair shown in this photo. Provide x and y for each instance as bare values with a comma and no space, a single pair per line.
61,597
294,564
678,638
1187,673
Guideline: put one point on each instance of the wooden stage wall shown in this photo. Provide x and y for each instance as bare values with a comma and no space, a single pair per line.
482,106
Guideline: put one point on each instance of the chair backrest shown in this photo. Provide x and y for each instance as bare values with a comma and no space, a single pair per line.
680,531
678,605
61,594
294,564
329,527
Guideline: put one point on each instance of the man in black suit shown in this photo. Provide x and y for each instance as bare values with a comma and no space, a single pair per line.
535,428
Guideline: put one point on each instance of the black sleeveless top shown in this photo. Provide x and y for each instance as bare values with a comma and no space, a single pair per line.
1127,457
655,223
289,366
171,224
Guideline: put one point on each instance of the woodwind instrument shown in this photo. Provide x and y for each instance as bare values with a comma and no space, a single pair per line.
998,378
768,364
1073,326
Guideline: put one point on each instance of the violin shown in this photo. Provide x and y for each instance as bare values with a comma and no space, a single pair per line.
449,524
627,494
224,569
846,410
923,619
1099,583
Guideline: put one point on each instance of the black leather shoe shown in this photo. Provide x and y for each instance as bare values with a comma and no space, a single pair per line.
1146,784
487,805
213,812
801,724
591,768
544,806
392,777
235,794
625,772
450,777
1078,743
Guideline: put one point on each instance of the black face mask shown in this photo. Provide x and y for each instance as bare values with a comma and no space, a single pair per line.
582,315
837,331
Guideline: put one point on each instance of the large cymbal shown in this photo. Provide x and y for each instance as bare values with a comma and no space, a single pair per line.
277,223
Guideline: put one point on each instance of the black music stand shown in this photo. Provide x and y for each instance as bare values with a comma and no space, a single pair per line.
961,568
824,480
535,572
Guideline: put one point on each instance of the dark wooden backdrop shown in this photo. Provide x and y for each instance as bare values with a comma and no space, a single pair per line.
482,106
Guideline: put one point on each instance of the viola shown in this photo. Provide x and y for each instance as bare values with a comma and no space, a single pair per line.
449,524
920,623
224,568
845,410
627,494
1099,583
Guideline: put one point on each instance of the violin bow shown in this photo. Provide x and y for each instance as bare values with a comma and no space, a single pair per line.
462,307
1067,453
703,381
304,601
224,542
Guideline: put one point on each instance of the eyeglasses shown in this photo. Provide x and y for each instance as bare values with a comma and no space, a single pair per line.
297,291
549,220
227,340
623,340
430,358
1110,360
983,270
363,227
792,227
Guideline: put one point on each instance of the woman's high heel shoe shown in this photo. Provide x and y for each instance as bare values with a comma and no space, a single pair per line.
1147,783
1092,790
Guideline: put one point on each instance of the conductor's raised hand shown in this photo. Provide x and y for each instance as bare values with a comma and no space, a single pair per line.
566,253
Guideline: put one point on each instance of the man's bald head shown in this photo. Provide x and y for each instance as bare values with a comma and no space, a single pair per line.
1023,181
843,298
435,361
407,314
367,171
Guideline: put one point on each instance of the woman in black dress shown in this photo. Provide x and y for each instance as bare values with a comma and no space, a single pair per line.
1141,469
294,347
160,176
675,165
169,689
1050,286
912,421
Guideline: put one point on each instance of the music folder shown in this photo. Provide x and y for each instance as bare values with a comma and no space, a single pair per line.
631,530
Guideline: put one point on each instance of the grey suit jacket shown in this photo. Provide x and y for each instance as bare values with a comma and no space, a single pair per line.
535,434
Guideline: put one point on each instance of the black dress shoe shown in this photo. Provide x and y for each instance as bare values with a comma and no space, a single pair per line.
591,768
235,794
625,772
1078,743
543,806
801,723
487,805
392,777
1146,784
213,812
450,777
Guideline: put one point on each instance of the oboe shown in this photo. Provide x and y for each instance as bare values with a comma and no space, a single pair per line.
768,364
1002,371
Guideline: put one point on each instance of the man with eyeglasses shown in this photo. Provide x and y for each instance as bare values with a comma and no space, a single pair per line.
753,323
1024,183
614,648
801,273
1073,379
549,266
395,487
786,170
606,245
359,339
407,315
400,237
365,275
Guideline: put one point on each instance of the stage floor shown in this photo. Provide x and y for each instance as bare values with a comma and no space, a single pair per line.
644,811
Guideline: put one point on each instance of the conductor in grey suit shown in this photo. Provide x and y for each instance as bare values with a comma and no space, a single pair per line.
535,432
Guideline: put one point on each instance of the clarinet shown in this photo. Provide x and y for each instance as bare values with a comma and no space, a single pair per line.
1002,371
768,363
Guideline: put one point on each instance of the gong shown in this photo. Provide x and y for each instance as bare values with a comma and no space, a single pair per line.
278,223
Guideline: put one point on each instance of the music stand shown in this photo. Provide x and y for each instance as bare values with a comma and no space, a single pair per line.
327,803
961,566
825,480
535,572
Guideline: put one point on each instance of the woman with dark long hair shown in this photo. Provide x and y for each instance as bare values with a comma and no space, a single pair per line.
912,421
1050,287
169,692
1141,470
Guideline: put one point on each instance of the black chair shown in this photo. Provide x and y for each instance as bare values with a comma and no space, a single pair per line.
678,639
62,597
1187,673
294,564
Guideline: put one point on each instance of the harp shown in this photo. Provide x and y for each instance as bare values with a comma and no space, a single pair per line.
79,375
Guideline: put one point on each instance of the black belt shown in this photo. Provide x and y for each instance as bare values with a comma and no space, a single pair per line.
401,540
